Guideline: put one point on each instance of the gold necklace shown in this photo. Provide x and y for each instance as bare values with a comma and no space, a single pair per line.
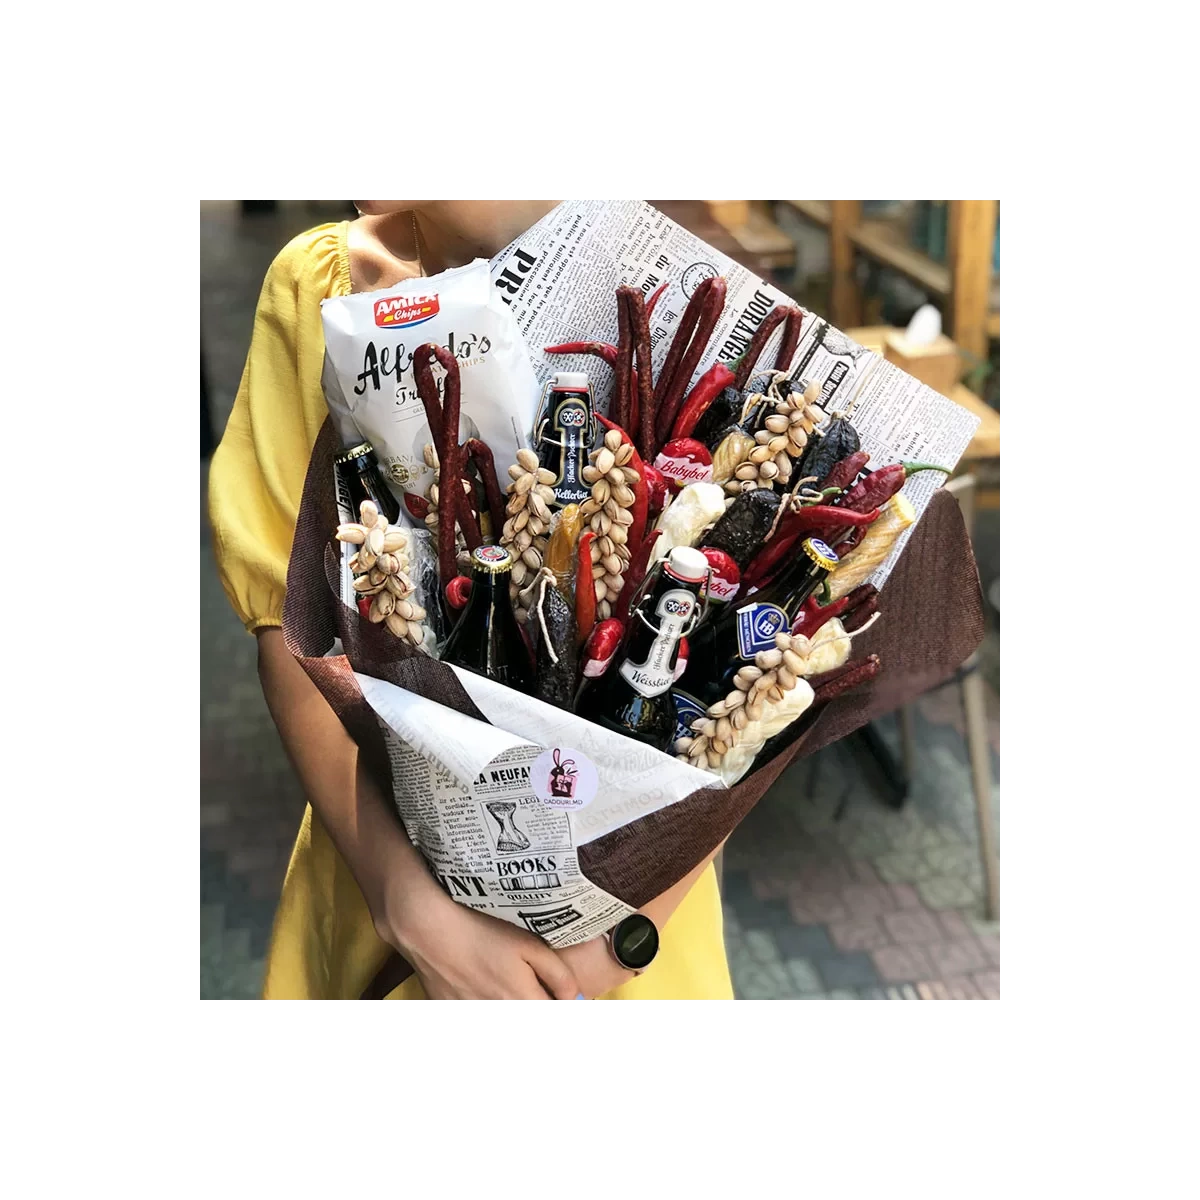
417,245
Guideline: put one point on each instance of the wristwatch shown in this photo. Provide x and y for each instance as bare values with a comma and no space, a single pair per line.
633,942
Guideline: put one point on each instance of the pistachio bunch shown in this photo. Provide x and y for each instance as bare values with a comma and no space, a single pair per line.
461,553
380,568
755,687
782,439
527,527
609,514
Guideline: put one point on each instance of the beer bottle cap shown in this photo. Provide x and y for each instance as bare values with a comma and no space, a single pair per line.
685,563
355,452
819,553
494,560
570,381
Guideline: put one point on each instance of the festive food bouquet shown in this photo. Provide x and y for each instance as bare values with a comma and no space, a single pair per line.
710,546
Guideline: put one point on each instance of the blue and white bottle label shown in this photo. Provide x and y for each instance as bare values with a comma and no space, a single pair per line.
757,626
687,709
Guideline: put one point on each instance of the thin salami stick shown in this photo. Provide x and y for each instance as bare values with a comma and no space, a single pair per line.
427,389
831,684
757,344
485,464
624,364
640,329
679,343
857,616
672,398
791,338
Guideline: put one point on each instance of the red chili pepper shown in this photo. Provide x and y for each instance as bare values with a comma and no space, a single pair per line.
846,471
880,486
745,364
829,685
672,398
708,387
485,464
641,489
601,647
813,614
655,297
791,338
640,331
635,573
604,350
418,506
458,592
364,607
585,593
793,526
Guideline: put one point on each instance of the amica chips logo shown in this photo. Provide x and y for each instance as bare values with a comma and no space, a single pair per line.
405,310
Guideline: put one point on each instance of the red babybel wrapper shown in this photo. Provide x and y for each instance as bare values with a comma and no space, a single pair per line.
682,661
685,461
601,647
726,577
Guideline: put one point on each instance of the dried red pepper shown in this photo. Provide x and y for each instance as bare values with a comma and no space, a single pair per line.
585,593
641,490
846,471
813,614
604,350
672,396
601,647
708,387
655,297
418,506
880,486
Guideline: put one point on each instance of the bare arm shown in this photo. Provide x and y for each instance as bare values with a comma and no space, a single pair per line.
458,953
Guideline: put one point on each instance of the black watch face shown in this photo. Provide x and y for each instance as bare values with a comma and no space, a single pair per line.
635,942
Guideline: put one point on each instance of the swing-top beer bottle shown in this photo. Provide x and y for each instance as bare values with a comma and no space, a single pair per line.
634,697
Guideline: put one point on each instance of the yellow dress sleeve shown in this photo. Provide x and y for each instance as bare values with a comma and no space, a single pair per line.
258,470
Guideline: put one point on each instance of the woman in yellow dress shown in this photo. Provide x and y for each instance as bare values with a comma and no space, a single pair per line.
356,887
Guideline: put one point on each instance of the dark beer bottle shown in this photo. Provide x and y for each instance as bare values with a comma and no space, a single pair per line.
487,638
564,436
721,647
635,698
358,478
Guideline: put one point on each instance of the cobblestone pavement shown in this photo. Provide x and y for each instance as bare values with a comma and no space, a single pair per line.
829,893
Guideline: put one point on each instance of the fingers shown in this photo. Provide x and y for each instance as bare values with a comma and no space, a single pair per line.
554,973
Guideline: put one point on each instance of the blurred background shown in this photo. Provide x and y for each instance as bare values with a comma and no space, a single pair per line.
869,870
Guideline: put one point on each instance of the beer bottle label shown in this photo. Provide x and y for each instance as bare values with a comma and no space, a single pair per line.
757,625
656,674
687,709
570,423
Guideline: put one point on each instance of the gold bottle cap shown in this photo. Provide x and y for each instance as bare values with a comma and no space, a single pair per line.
819,553
354,452
495,560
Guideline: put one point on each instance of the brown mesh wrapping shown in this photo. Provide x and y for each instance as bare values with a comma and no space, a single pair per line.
933,620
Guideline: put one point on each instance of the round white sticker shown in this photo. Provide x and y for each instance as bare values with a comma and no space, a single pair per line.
563,778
